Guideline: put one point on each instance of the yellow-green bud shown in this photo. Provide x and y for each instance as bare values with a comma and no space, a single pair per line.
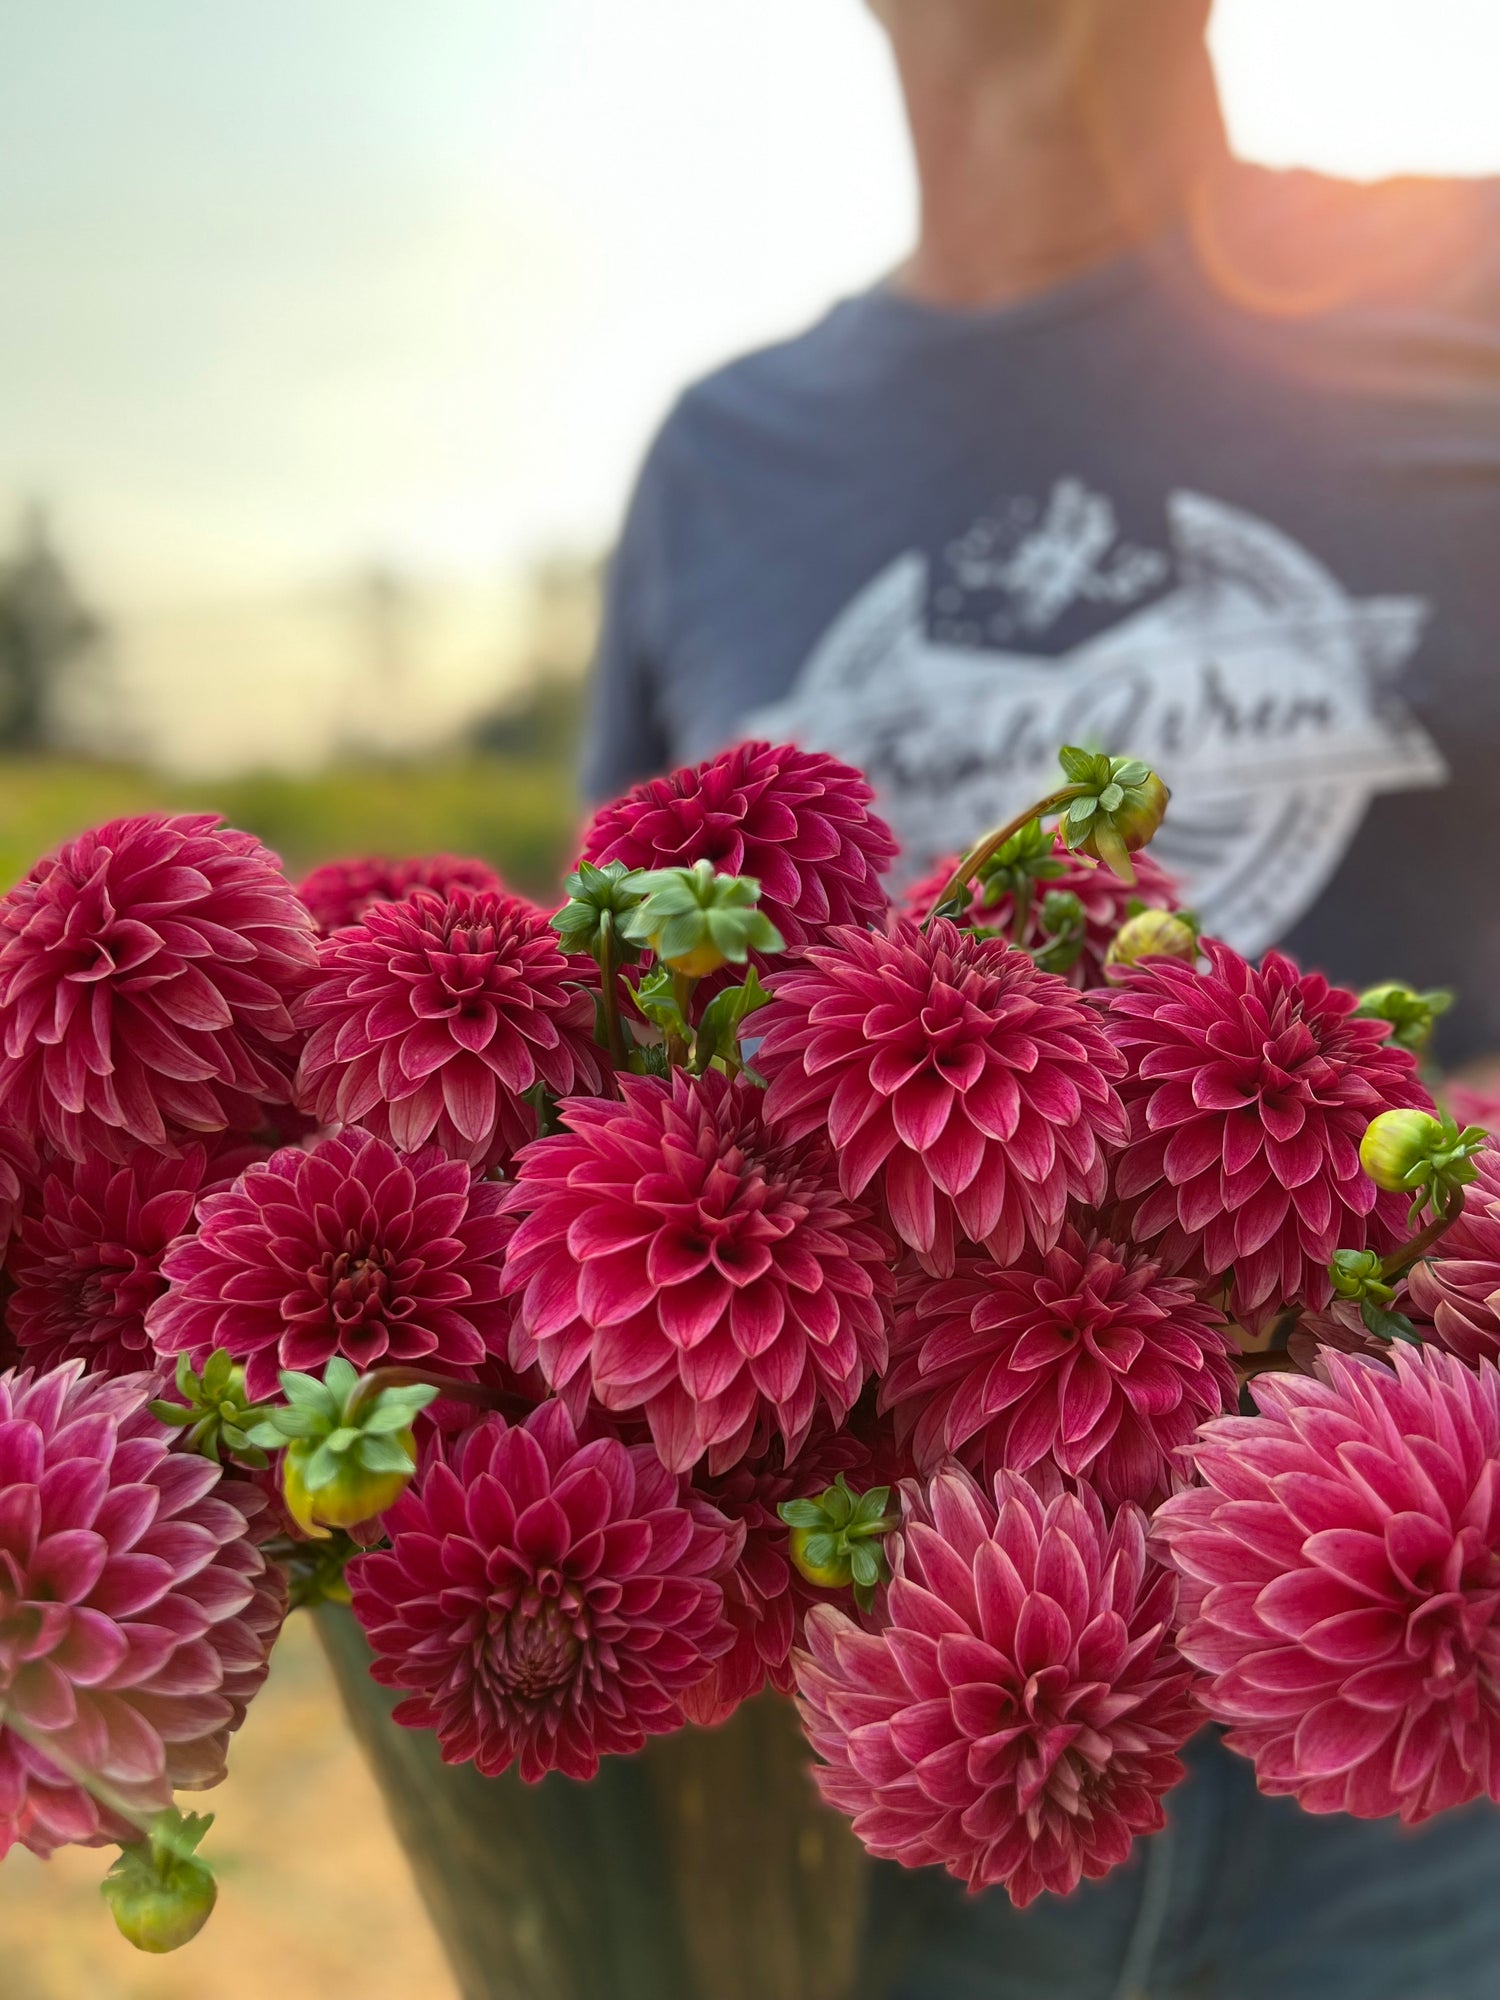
1154,934
1397,1147
1117,807
834,1572
159,1893
354,1494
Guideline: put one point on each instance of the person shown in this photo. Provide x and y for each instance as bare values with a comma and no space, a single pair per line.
1146,447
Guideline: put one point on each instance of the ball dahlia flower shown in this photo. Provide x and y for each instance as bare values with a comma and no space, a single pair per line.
678,1257
544,1601
350,1249
765,1597
18,1169
975,1092
1105,898
1088,1355
1249,1092
1018,1719
87,1261
1459,1291
1341,1567
146,974
797,820
430,1020
136,1613
339,892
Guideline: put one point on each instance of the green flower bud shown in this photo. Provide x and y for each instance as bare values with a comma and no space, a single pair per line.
1154,934
1119,810
348,1454
1412,1152
215,1414
837,1539
1064,929
1027,858
1359,1274
349,1492
159,1893
696,921
1412,1015
597,901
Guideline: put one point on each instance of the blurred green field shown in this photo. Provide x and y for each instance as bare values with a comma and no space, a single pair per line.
519,814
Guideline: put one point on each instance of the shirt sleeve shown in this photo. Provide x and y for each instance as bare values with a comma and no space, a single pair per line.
624,737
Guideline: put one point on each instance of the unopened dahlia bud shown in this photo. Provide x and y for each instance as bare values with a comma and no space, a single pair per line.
1413,1152
836,1539
1360,1274
597,901
159,1893
349,1454
1412,1015
215,1414
697,921
1154,934
1119,810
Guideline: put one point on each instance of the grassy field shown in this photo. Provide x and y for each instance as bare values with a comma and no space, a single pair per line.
519,814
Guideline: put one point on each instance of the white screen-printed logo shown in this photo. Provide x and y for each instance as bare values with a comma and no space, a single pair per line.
1259,688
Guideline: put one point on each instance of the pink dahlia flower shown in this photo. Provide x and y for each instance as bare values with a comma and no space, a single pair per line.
136,1613
430,1021
1459,1291
765,1598
87,1263
146,976
1341,1567
1087,1355
679,1258
798,821
351,1249
18,1170
1474,1104
1249,1092
1019,1717
339,892
975,1092
1105,898
544,1602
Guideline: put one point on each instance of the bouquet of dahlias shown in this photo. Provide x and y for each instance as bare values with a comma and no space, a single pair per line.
1009,1320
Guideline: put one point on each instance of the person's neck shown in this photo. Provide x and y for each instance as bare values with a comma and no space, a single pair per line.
1034,174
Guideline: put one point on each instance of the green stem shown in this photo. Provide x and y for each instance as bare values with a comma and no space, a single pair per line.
682,993
99,1789
609,972
992,843
1400,1261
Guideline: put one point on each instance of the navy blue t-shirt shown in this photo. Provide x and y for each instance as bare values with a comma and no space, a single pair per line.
1231,505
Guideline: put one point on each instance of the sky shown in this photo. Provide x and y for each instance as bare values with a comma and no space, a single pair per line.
294,288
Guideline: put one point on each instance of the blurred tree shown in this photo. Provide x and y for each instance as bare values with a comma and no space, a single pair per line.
540,719
46,632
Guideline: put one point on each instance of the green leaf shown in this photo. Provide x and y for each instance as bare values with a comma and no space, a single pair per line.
340,1440
1388,1325
801,1513
658,1002
267,1432
341,1377
297,1422
384,1454
320,1469
171,1413
1081,811
864,1565
725,1014
304,1390
838,1504
821,1551
216,1373
1078,765
387,1417
186,1380
1130,771
870,1506
1111,799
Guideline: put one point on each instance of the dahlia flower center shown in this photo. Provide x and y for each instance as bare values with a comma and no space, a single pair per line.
356,1281
537,1649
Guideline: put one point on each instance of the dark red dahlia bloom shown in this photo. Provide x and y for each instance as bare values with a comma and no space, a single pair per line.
544,1602
797,820
87,1263
1341,1583
339,892
146,976
1105,898
976,1092
351,1249
679,1258
1088,1355
1459,1291
765,1598
136,1613
1018,1718
430,1020
18,1170
1249,1092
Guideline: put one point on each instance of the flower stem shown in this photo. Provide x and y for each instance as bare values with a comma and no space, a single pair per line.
609,972
448,1386
1400,1261
98,1789
992,843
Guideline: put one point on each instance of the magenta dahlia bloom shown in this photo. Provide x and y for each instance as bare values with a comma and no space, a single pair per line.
136,1613
1088,1355
1105,898
797,820
351,1249
430,1020
975,1092
544,1602
1341,1566
1249,1092
765,1598
1459,1291
1018,1718
146,976
339,892
18,1170
87,1262
679,1258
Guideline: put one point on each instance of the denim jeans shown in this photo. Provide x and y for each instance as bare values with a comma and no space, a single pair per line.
1242,1898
